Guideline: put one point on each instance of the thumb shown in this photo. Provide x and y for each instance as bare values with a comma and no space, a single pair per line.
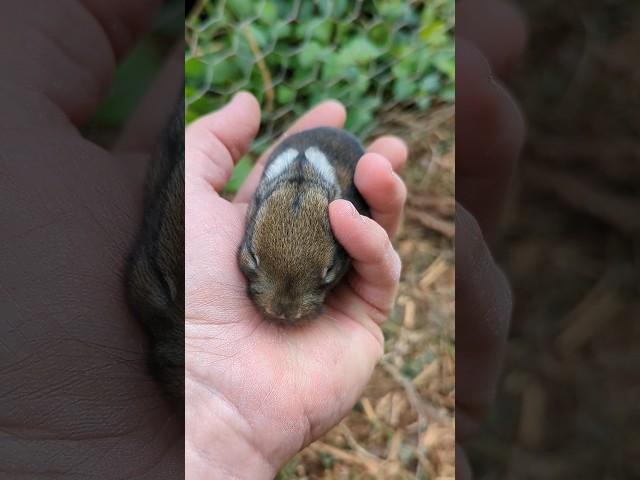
215,142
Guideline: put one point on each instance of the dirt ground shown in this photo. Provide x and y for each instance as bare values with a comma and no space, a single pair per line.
403,426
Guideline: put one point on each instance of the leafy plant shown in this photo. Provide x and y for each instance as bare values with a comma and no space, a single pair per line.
291,54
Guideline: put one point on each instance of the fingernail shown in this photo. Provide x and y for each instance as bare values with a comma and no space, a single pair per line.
356,214
235,97
352,210
387,164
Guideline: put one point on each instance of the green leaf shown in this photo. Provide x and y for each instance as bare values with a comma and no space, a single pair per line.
361,85
430,84
362,116
190,116
332,68
380,34
422,60
241,9
239,175
393,9
206,104
358,51
322,31
403,89
285,95
402,69
268,13
445,62
434,33
342,33
260,34
194,70
340,8
282,30
225,72
448,93
312,53
306,11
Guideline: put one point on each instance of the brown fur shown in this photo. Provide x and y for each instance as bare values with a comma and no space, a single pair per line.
288,229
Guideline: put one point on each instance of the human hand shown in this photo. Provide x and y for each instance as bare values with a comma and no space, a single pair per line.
257,393
490,130
76,399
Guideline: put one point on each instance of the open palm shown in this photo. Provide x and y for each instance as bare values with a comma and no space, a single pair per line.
255,390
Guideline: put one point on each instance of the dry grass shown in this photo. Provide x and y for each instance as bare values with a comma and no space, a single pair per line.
403,427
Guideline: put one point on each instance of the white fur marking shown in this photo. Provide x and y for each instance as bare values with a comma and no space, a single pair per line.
281,163
321,164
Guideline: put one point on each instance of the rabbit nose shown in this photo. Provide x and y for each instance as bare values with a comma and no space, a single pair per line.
285,312
275,312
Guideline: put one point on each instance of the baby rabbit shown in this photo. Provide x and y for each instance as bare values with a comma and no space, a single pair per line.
288,254
154,277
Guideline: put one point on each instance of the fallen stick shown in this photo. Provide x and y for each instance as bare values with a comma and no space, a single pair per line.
444,227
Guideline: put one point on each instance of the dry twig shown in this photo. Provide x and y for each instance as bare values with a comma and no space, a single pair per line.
422,408
444,227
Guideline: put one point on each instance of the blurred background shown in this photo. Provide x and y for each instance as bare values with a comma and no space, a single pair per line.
568,404
136,73
391,63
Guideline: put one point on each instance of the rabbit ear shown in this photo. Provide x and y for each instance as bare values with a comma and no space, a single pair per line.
281,163
321,164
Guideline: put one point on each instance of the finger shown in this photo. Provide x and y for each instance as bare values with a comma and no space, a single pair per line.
82,59
215,142
496,28
150,117
483,312
327,114
492,130
393,149
383,190
376,265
